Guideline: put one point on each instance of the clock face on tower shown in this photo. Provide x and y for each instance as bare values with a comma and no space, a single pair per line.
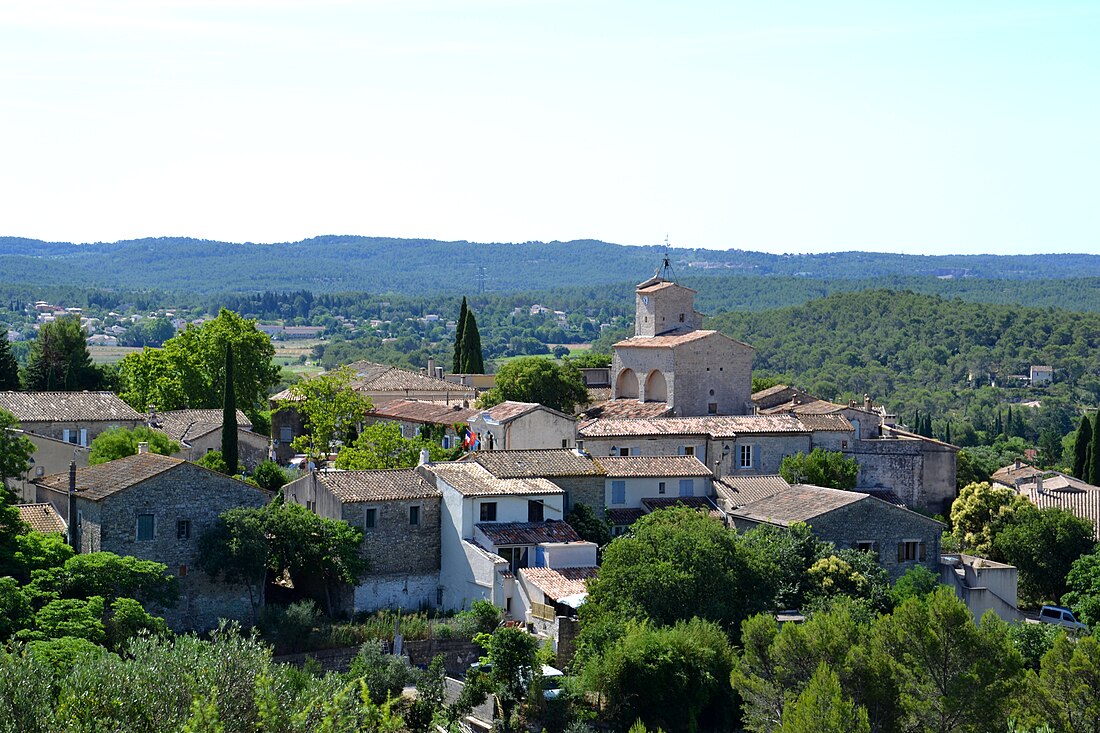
645,300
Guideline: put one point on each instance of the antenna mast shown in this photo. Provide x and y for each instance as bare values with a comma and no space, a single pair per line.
666,270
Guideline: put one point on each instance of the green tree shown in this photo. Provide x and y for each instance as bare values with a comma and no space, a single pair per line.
456,364
331,409
381,445
1094,454
1043,544
213,460
15,608
822,708
1082,447
37,551
72,617
236,550
1083,588
1069,681
115,443
590,527
978,512
679,563
15,451
820,468
229,415
790,551
59,358
538,379
917,582
127,620
108,576
9,367
472,359
269,476
510,654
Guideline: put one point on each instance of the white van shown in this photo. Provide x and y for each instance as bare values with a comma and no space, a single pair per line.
1062,617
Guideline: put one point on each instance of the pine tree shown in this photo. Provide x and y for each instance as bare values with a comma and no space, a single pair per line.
229,416
9,368
1094,454
472,361
456,365
1081,446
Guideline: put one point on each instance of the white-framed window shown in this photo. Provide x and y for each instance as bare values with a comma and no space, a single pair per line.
146,527
183,529
618,492
744,456
84,437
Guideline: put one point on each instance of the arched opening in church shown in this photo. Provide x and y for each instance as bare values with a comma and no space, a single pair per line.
656,389
627,385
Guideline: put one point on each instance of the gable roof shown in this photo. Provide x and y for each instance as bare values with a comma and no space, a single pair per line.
624,409
673,340
509,410
528,533
185,425
799,503
106,479
67,407
741,490
536,463
472,479
820,423
431,413
41,517
561,582
383,378
728,426
383,485
653,503
652,466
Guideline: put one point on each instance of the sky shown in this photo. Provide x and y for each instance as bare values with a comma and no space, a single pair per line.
930,127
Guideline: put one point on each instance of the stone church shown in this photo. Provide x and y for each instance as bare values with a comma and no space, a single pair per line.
671,360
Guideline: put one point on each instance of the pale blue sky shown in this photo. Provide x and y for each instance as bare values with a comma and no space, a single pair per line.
921,127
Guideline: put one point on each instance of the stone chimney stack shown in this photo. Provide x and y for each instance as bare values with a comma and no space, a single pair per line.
431,366
425,457
143,447
1039,483
867,404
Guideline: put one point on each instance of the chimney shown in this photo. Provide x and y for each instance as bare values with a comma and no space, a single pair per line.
867,404
143,447
1016,465
74,528
439,372
431,366
152,419
1039,483
425,457
717,468
579,450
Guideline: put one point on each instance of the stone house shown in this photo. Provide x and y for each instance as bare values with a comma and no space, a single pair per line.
399,513
900,539
523,425
576,473
156,507
200,431
71,417
413,416
1046,489
636,485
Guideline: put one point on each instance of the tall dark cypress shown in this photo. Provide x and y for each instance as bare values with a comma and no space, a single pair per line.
947,432
229,416
472,361
9,367
456,365
1081,446
1094,454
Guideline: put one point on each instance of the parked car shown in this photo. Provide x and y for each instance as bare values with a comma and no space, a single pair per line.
1062,617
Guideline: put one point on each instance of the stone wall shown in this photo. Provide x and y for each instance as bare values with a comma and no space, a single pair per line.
921,472
251,447
393,545
582,490
285,417
715,369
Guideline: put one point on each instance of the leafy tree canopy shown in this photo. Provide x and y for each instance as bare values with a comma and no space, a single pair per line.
978,510
820,467
330,408
9,367
15,450
381,445
1083,588
1043,544
559,386
116,443
59,358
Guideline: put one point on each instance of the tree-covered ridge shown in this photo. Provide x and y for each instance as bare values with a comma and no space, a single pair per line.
336,263
919,352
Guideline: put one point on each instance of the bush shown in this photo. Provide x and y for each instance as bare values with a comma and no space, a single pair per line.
289,627
269,476
384,674
482,618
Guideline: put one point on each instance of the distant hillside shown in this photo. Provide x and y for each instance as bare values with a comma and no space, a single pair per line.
417,266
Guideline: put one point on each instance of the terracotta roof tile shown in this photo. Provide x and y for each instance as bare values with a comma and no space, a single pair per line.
560,582
826,423
665,342
42,518
106,479
799,503
715,427
625,409
184,425
738,491
67,407
652,466
364,486
423,412
509,410
471,479
527,533
624,517
536,463
667,502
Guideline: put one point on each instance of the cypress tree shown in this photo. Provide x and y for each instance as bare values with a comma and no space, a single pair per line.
229,416
1081,446
472,361
947,433
1094,454
9,368
456,364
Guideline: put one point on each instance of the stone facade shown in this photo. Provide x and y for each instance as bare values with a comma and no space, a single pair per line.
921,472
252,448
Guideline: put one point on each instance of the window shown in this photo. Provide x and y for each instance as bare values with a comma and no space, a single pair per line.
311,505
516,557
745,456
844,445
712,408
182,571
414,516
660,487
565,442
285,434
370,517
84,436
681,318
488,511
624,451
183,529
534,511
867,546
145,527
689,450
687,487
618,492
910,551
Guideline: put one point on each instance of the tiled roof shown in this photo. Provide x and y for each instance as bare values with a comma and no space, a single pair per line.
510,410
394,379
625,409
624,517
391,485
799,503
41,517
423,412
184,425
887,495
471,479
99,482
536,463
1058,490
652,466
527,533
826,423
715,427
666,342
667,502
67,406
659,285
561,582
741,490
803,406
773,395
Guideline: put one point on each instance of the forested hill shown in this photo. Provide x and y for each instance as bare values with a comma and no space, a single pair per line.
349,263
919,351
